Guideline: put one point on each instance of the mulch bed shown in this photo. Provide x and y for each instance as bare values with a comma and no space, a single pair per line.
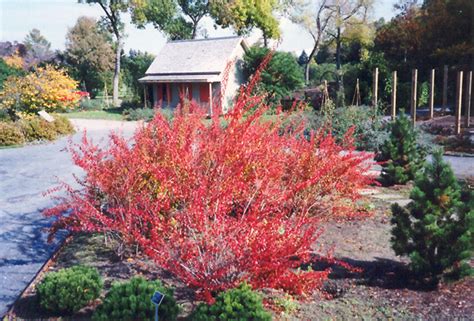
444,131
381,290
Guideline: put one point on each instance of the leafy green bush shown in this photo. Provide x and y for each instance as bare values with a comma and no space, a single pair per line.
131,301
280,78
370,131
240,303
4,116
91,104
10,134
131,104
62,125
38,129
435,229
402,155
69,290
145,114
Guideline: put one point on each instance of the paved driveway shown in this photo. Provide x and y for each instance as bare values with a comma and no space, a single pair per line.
25,173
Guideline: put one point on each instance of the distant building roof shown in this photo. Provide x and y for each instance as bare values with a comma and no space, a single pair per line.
193,60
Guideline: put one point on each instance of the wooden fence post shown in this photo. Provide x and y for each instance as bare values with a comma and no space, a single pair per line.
413,101
445,88
432,92
144,96
457,119
394,95
376,86
356,97
468,99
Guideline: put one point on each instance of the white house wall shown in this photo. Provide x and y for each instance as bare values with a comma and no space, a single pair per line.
235,80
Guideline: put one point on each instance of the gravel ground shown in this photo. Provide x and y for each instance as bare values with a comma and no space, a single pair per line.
25,173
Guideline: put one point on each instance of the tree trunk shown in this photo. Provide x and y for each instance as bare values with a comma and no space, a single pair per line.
308,64
310,57
265,40
340,82
118,52
338,49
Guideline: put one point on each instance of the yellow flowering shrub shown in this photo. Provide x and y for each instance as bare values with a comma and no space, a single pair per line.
14,61
47,88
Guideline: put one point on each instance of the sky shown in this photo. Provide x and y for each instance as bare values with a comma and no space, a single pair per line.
54,17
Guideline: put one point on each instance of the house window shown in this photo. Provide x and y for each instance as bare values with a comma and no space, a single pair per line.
164,92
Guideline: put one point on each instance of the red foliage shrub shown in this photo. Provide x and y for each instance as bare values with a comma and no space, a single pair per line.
218,205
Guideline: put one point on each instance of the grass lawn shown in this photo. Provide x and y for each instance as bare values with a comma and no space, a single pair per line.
108,114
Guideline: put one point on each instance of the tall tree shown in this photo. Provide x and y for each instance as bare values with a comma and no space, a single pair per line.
344,13
314,17
280,78
195,10
245,15
135,65
112,20
38,48
178,19
90,52
429,34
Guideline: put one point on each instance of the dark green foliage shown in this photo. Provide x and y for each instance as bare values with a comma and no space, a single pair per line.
240,303
436,229
69,290
146,114
131,301
303,59
134,66
280,78
7,71
10,134
403,157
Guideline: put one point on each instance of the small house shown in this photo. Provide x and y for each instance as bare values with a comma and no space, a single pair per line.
196,70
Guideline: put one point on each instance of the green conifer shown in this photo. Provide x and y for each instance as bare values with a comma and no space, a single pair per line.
402,155
436,229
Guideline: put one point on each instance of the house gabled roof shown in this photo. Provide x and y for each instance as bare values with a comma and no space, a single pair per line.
193,60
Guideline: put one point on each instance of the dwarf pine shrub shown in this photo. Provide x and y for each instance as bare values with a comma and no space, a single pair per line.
131,301
402,155
436,229
240,303
69,290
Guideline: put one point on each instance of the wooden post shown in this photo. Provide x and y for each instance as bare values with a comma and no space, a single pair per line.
376,86
394,95
144,96
413,101
326,92
210,99
468,99
356,98
445,88
457,119
432,92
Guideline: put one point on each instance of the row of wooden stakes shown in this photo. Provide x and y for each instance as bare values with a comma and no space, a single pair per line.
413,101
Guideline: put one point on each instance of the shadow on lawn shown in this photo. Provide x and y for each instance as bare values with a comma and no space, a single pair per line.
382,273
